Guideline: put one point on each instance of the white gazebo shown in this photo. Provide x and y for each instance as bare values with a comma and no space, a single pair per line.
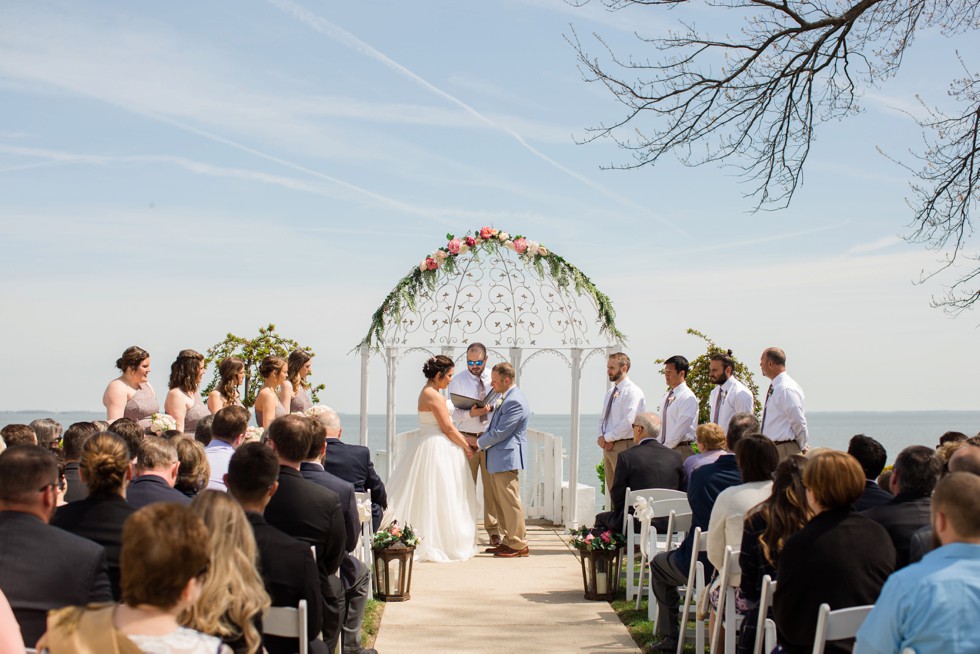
522,301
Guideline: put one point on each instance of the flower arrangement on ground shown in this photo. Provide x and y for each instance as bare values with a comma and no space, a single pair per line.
161,423
592,539
601,551
394,536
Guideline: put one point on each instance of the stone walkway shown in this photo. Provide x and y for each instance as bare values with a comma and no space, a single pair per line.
499,606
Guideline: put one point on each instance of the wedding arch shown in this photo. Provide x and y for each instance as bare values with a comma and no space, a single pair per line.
507,291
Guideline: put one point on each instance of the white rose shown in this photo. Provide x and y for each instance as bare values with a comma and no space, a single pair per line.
422,266
509,245
503,236
440,256
464,248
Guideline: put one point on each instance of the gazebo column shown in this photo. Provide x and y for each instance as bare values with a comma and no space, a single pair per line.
365,361
516,356
391,357
574,437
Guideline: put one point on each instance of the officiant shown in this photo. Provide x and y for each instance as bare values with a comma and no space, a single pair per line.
475,383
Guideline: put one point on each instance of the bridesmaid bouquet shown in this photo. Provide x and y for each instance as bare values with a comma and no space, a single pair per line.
254,434
395,536
161,423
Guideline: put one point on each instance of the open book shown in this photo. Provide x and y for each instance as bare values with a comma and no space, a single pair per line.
464,402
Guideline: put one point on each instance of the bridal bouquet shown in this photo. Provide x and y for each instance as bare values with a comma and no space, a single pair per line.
592,539
395,536
253,434
161,423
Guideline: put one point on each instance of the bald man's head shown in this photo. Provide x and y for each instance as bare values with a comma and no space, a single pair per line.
965,459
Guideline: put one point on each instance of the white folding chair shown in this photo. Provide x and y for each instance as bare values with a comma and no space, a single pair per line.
765,630
288,622
725,615
677,523
839,624
652,495
364,551
693,591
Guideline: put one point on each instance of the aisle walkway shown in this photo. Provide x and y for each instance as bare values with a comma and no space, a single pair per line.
498,606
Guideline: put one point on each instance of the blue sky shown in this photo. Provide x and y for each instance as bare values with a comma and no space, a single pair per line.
170,172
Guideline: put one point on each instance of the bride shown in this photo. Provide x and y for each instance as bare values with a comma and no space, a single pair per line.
431,486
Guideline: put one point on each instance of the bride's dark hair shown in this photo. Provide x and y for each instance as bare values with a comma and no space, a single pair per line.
437,365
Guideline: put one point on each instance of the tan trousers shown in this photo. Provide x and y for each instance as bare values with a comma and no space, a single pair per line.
478,466
685,450
510,516
787,449
611,457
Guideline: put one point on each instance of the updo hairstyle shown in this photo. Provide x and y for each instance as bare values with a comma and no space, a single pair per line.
298,359
185,370
436,366
270,364
228,370
132,358
105,460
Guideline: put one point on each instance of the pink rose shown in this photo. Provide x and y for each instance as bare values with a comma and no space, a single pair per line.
605,537
470,241
454,246
520,245
486,232
590,538
431,263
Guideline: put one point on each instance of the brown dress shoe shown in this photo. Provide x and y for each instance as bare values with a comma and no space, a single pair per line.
496,540
509,552
493,550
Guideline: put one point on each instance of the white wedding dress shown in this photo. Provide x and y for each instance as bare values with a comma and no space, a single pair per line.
432,490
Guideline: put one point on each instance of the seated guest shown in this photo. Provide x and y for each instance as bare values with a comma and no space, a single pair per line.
232,595
311,513
932,606
646,465
131,432
352,463
203,432
43,567
872,456
766,529
952,437
105,469
945,451
884,480
18,435
711,445
966,459
286,564
156,473
668,570
71,449
355,575
227,432
48,433
194,471
840,558
164,555
914,476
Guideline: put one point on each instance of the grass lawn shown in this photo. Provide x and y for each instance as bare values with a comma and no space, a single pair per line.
372,621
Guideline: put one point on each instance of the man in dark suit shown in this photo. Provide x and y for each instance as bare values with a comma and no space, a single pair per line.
353,463
872,456
310,513
647,465
43,567
287,565
156,474
668,570
355,575
914,477
75,436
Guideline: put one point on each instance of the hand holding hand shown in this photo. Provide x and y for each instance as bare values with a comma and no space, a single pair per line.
601,441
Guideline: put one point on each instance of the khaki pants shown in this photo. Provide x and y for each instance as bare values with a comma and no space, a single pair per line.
787,449
478,466
611,457
510,516
684,449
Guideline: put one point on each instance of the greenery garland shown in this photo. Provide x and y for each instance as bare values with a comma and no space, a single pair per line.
487,240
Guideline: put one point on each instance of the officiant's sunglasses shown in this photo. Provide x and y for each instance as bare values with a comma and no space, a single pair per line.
476,363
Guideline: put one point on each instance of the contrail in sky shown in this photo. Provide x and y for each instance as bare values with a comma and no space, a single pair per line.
347,39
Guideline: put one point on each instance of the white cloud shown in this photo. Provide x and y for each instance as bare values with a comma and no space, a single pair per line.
875,245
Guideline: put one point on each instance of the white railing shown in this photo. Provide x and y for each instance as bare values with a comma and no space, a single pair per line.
541,480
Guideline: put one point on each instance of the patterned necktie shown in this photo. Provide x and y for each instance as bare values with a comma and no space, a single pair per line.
663,427
764,407
612,396
480,392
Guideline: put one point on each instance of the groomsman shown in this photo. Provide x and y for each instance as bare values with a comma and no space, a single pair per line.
472,422
732,396
679,409
784,413
623,401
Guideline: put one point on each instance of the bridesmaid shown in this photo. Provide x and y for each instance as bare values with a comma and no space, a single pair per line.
130,395
268,407
184,401
296,388
231,373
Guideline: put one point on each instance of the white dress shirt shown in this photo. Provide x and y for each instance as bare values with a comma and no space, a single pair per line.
783,418
627,401
678,416
733,397
468,384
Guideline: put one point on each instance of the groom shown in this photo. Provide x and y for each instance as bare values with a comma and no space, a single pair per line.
505,442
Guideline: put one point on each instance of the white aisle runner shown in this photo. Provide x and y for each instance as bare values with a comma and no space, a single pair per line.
498,606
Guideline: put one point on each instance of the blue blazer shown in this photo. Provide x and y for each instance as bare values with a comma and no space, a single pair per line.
505,439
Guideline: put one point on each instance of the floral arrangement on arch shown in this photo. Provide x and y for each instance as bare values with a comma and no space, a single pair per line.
590,539
395,536
487,237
